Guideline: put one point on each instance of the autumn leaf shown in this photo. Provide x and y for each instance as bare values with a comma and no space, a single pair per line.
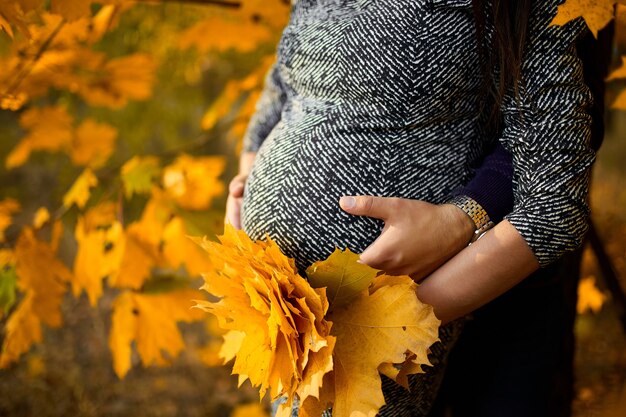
93,143
138,174
71,9
139,257
42,278
277,335
80,191
8,207
49,129
150,320
343,277
220,33
8,281
597,13
101,242
590,298
284,338
272,12
193,182
116,81
386,325
179,250
22,330
41,273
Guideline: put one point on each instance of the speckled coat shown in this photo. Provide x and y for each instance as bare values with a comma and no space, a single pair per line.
380,97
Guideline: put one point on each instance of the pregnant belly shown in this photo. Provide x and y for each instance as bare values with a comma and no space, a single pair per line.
293,190
305,166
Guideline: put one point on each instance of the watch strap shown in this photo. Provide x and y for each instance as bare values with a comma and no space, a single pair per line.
476,213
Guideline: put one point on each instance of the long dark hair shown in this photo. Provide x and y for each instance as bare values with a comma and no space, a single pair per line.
501,51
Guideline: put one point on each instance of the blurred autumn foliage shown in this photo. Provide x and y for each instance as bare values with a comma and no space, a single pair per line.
118,122
72,79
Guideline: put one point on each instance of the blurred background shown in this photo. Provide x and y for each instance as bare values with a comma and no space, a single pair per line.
121,124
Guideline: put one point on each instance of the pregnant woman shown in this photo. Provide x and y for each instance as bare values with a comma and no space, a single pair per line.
388,106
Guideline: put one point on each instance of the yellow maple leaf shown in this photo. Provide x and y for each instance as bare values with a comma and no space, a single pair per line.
112,83
123,332
179,250
597,13
151,321
341,274
80,191
277,335
383,324
284,338
221,32
138,174
193,182
71,9
272,12
41,273
8,207
22,330
590,298
42,278
93,143
49,129
101,245
139,257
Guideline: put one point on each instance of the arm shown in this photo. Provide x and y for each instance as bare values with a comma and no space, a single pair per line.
435,232
548,136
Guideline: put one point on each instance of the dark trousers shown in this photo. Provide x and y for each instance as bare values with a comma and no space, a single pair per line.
515,357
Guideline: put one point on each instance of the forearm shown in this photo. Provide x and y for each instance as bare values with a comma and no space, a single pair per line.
479,273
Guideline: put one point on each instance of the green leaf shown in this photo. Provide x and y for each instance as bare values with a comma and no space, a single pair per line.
8,280
138,175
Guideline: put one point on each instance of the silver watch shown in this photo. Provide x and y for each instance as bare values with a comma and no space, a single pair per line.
476,212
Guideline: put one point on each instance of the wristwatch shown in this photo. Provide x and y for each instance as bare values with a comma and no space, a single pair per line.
476,212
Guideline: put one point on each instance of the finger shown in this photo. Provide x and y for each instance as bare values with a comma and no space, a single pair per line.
233,212
369,205
237,185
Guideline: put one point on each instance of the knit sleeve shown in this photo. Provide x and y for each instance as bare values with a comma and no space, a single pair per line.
547,130
491,186
267,113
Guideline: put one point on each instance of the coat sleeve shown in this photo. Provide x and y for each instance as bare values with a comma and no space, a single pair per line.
268,111
547,130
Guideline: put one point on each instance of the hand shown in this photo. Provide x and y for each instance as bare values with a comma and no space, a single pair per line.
234,200
417,238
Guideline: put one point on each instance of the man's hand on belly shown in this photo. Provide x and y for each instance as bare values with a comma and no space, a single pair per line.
417,238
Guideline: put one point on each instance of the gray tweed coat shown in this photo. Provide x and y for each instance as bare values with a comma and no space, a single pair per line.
379,97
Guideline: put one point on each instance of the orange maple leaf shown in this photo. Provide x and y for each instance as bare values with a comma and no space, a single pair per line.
277,335
193,182
151,321
597,13
101,242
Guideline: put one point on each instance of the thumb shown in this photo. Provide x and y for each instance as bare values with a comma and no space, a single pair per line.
368,205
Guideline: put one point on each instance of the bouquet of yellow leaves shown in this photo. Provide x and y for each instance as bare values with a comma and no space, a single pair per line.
324,339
